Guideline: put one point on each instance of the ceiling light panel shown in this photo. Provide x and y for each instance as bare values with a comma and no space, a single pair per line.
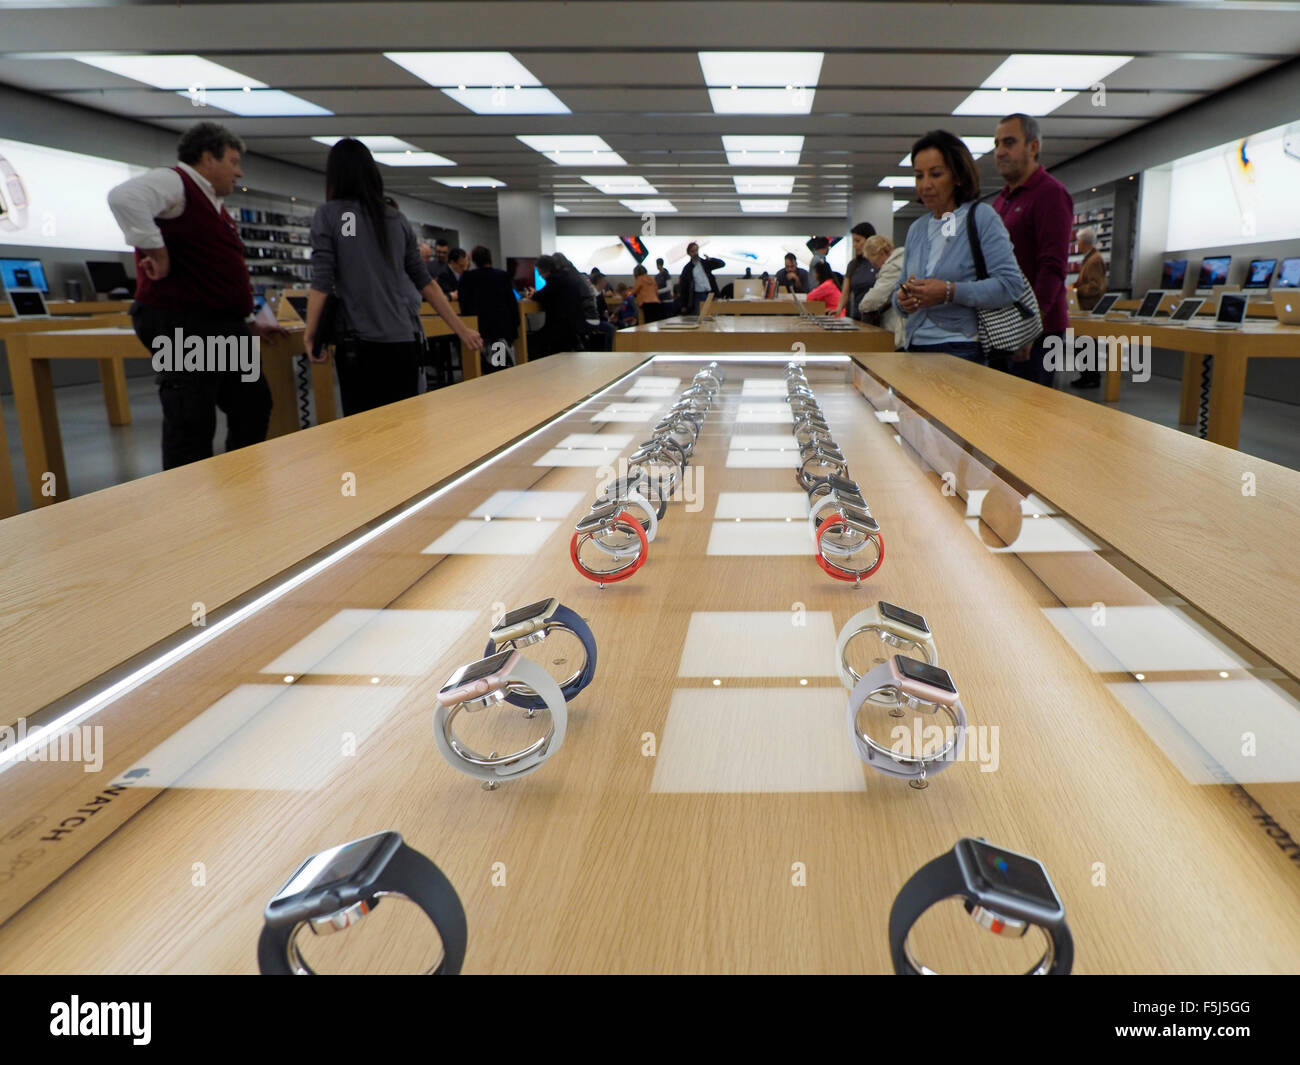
375,144
775,184
759,150
573,150
764,206
658,206
172,71
487,83
621,184
256,103
761,83
1023,71
999,102
470,182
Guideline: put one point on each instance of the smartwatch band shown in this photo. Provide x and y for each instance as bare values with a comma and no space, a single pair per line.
625,493
906,767
870,620
519,763
578,538
570,621
408,874
838,572
939,879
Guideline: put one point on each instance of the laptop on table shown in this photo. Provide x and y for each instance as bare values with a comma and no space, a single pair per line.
1231,313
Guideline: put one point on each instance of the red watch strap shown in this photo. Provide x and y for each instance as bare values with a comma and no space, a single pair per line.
619,575
835,571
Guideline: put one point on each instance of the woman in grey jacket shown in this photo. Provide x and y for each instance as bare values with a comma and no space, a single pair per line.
941,295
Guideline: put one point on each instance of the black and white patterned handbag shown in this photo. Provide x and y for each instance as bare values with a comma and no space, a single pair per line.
1003,330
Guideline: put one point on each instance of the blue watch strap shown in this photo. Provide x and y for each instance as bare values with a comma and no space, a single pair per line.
567,619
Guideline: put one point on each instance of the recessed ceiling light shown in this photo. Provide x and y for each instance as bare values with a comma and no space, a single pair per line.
760,101
776,184
978,147
260,103
561,209
761,70
375,144
487,83
621,184
409,158
764,206
658,206
1053,72
761,150
573,150
469,182
1005,102
896,182
899,203
172,71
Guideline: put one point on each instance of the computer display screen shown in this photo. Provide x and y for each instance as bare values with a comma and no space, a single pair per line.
1150,303
1259,273
1174,273
23,273
1288,276
1231,308
27,304
109,275
1214,271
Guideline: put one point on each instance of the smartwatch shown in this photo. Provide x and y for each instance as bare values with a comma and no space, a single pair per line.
846,532
831,499
845,486
923,688
532,624
14,201
661,463
333,890
896,626
1004,892
485,683
827,458
625,491
609,520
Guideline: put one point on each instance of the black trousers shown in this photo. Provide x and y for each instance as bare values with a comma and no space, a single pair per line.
190,398
372,374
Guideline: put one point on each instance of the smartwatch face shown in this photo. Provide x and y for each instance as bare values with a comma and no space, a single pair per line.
345,864
524,613
996,870
599,515
860,519
923,671
903,617
477,670
844,484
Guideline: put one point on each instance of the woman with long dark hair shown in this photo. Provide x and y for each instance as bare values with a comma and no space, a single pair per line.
365,253
860,274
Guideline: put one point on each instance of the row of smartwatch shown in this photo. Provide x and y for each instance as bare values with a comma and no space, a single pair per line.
1005,893
612,541
850,546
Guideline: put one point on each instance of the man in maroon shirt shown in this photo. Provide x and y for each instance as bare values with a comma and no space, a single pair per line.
192,290
1039,215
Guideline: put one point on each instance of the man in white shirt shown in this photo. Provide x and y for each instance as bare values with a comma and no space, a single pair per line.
192,292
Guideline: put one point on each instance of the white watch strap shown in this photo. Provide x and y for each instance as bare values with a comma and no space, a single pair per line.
536,677
871,619
882,759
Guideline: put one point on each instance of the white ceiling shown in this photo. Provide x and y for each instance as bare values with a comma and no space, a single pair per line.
629,72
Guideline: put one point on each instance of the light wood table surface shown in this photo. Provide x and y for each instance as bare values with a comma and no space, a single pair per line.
80,307
778,306
735,333
747,840
1231,349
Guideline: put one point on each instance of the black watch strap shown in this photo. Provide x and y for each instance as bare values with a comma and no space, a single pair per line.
941,879
410,874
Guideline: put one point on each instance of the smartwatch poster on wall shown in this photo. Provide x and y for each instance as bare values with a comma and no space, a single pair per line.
50,198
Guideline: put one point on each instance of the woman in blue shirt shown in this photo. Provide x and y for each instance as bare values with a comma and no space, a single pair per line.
940,297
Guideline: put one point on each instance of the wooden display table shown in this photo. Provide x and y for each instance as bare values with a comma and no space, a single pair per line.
752,333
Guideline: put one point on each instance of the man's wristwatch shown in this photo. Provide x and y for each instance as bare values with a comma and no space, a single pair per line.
486,683
532,624
333,890
618,534
923,688
895,626
14,202
1005,892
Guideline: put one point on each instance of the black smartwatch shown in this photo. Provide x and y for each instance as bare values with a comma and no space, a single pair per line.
333,890
1005,892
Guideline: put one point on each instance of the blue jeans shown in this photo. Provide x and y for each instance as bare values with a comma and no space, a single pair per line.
966,349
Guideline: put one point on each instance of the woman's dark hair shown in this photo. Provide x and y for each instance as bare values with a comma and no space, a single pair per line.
822,271
480,256
866,231
351,174
957,158
638,270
